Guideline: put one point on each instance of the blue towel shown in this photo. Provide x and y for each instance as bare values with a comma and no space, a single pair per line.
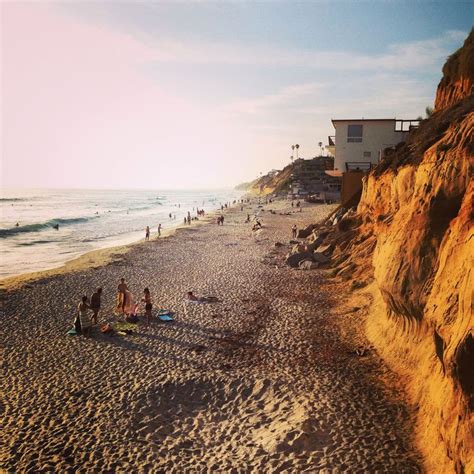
165,317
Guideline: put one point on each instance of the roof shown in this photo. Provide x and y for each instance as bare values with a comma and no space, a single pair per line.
374,120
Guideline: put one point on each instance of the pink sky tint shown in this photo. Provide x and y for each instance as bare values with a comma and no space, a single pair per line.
79,111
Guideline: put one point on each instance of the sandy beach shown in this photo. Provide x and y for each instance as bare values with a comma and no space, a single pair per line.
266,380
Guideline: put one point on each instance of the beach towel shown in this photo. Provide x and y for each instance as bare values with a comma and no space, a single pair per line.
166,317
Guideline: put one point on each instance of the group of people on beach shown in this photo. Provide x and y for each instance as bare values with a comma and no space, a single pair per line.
125,305
147,231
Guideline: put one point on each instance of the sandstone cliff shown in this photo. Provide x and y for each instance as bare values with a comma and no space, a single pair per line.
411,244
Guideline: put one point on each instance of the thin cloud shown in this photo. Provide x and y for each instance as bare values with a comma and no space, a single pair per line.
401,56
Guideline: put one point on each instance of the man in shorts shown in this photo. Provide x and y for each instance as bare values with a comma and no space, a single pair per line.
95,305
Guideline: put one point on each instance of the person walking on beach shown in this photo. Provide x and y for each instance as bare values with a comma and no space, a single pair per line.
148,305
86,323
159,230
147,233
122,289
95,305
294,231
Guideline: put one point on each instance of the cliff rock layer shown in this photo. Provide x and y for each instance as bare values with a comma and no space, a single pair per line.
413,238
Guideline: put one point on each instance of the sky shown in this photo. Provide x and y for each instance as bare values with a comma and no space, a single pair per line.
196,94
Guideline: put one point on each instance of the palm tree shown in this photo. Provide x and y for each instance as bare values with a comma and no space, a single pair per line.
320,144
297,146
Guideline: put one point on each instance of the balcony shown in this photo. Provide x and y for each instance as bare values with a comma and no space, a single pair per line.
363,166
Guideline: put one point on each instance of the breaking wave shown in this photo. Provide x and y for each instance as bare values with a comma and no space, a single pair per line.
4,233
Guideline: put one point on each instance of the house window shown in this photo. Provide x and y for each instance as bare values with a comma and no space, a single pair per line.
354,133
367,154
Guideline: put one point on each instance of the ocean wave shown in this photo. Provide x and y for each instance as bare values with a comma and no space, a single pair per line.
34,242
4,233
13,199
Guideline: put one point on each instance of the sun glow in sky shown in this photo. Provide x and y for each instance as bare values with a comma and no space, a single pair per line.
196,94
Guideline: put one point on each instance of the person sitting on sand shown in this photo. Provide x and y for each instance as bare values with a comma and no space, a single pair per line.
86,323
95,305
200,299
148,305
132,316
122,289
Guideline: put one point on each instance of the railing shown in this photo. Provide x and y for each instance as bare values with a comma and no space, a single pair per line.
406,125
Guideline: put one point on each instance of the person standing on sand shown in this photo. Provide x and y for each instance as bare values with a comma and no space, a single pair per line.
148,305
159,230
147,233
122,289
294,231
95,305
86,323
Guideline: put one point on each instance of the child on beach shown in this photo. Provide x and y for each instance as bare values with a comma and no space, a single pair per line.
148,305
86,323
147,233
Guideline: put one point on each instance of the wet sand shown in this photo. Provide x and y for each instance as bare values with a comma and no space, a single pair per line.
266,380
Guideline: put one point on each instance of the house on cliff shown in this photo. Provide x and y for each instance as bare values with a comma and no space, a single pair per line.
359,144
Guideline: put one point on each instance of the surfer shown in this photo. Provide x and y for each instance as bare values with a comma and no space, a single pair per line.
17,225
56,226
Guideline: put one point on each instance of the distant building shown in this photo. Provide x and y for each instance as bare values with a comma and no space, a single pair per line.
309,178
358,144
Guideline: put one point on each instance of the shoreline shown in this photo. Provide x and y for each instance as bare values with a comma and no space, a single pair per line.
93,259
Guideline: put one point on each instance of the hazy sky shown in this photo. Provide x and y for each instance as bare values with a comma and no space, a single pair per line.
200,94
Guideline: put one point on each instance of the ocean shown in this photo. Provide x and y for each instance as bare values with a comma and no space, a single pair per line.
87,220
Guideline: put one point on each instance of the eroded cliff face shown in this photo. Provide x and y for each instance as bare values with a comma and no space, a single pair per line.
412,243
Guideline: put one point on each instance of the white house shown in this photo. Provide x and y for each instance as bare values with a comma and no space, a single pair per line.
359,143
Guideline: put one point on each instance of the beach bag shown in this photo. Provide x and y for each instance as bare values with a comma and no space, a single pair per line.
77,325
